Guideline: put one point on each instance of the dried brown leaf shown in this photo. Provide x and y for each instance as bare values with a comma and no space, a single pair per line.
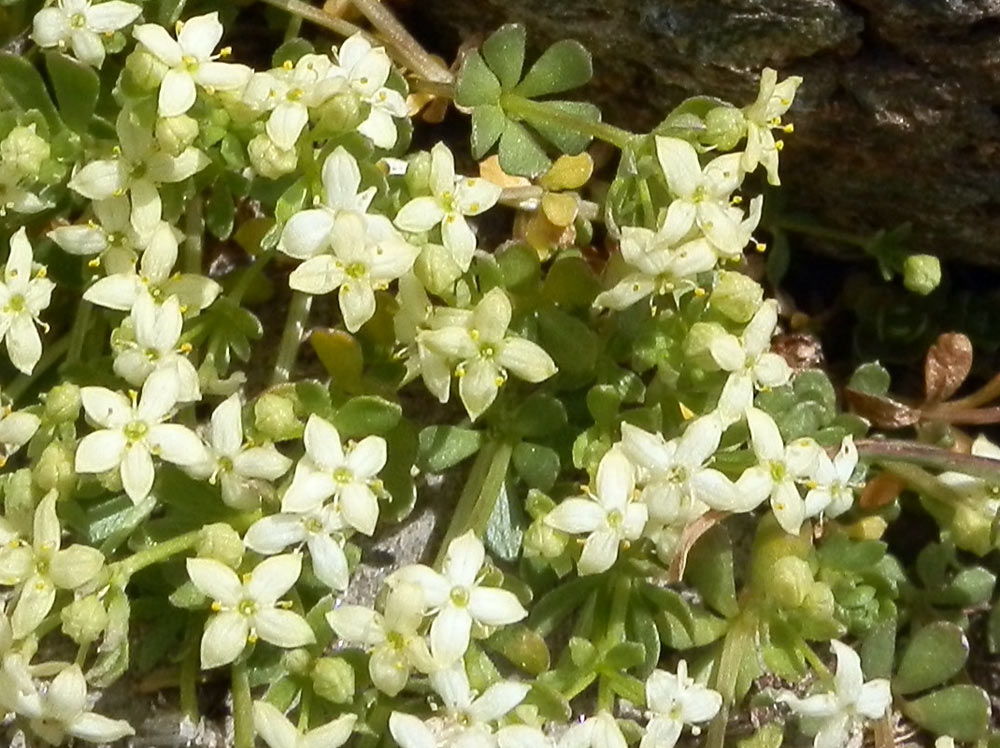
882,412
947,365
880,491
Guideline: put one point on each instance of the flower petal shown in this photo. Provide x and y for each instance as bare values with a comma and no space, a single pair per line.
100,451
577,516
283,628
273,577
224,639
137,472
177,93
495,607
215,580
450,634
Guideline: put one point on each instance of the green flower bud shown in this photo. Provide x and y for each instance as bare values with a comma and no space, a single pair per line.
725,126
221,542
736,296
297,661
23,151
19,499
62,404
436,269
176,134
274,417
543,541
269,160
418,173
84,620
922,273
819,602
341,113
698,345
538,504
54,469
333,679
144,71
792,580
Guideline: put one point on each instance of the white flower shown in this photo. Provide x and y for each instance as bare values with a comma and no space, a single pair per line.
16,430
467,721
458,598
289,93
609,515
23,297
366,69
674,476
122,288
79,24
395,645
42,567
751,362
674,701
415,314
236,465
275,729
839,714
133,433
367,255
833,493
778,468
191,62
139,169
59,711
480,342
321,529
111,235
157,332
773,100
246,610
348,476
701,197
599,731
451,199
660,267
308,232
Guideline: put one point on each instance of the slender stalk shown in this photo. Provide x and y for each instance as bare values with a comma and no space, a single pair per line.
194,242
250,275
965,417
189,672
738,640
986,393
897,451
619,607
305,706
407,49
291,336
822,232
155,554
539,112
315,15
482,488
78,333
243,732
23,382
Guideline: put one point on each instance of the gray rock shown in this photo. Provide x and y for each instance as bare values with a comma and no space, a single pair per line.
897,119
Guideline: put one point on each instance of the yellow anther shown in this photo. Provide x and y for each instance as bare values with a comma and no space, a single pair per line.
42,272
216,606
178,26
788,128
760,247
737,200
287,65
225,52
686,413
185,348
699,292
779,145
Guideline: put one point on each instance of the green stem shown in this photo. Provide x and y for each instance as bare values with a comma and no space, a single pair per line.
822,232
619,608
537,111
250,275
194,243
189,672
482,488
305,706
78,333
243,732
739,639
315,15
407,49
291,337
890,451
23,382
155,553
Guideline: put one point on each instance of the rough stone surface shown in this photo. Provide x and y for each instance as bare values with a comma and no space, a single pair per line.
898,119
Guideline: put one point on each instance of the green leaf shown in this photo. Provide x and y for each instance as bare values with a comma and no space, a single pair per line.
539,415
504,53
642,628
565,139
442,447
538,466
488,123
570,341
505,527
291,51
878,650
963,712
342,357
397,475
220,211
564,65
871,378
553,607
970,587
770,735
24,84
624,656
520,155
710,571
476,84
522,647
77,89
934,654
551,704
292,200
367,414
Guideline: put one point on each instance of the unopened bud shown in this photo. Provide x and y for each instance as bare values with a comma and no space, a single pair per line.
436,269
922,273
791,581
144,71
333,679
176,134
274,417
341,113
221,543
84,620
54,469
724,127
543,541
24,151
269,160
819,601
736,296
62,404
297,661
698,345
418,174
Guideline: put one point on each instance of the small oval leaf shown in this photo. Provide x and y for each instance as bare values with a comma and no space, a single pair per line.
963,712
934,654
564,65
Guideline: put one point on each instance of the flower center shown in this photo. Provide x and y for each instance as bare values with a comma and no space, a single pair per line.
487,351
15,305
459,596
190,63
294,94
313,525
343,475
77,21
355,270
615,519
225,464
136,431
247,608
395,640
778,472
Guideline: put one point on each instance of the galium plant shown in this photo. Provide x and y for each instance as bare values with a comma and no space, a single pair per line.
180,493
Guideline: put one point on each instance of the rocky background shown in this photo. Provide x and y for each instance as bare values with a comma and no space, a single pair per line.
898,119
